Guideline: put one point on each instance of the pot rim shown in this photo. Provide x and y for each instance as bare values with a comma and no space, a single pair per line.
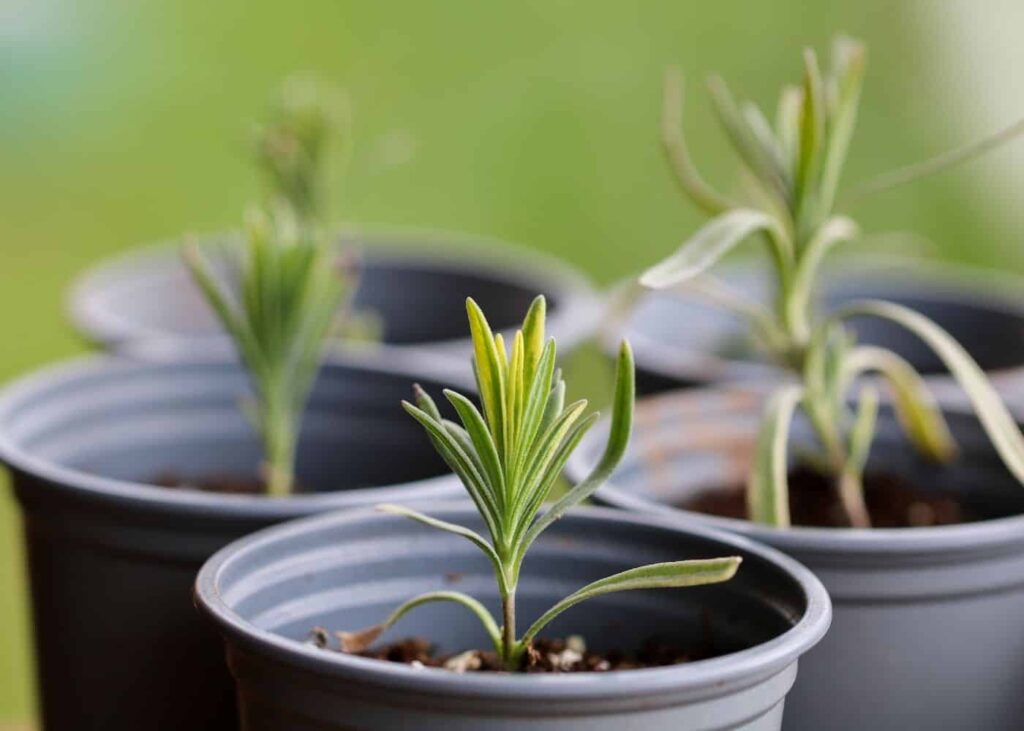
751,664
979,537
984,287
574,319
136,495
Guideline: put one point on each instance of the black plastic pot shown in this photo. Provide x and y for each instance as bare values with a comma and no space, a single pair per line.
265,592
112,557
681,340
928,629
414,282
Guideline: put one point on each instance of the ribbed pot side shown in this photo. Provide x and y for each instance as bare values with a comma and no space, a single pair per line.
929,622
112,557
265,592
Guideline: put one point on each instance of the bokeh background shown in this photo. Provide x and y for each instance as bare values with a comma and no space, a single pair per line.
122,122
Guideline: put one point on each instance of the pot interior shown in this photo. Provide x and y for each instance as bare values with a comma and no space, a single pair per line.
350,574
142,422
989,326
415,298
675,454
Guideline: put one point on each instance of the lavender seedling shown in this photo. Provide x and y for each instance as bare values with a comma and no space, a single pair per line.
793,173
290,282
508,457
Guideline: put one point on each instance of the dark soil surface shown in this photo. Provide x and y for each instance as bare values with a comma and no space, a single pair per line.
546,656
892,501
225,484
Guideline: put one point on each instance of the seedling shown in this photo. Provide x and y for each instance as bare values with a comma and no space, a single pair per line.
508,457
290,285
794,172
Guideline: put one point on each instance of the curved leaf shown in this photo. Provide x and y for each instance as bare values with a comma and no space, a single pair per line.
833,231
915,407
994,416
470,535
675,574
618,438
362,639
715,239
768,489
674,143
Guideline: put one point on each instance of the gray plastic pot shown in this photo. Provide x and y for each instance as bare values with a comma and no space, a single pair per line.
681,340
266,592
112,558
928,629
415,282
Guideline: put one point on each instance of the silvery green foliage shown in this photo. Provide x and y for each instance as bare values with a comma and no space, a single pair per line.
290,285
793,168
509,455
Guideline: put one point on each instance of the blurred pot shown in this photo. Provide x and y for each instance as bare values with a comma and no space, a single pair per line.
679,339
112,556
928,627
265,592
413,283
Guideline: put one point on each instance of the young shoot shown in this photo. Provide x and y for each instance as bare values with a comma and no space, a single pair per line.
793,171
290,284
508,457
286,303
307,126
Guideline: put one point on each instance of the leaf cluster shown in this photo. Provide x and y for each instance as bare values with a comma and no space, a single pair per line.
509,455
793,170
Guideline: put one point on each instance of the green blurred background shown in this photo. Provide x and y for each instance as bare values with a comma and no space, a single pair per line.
533,120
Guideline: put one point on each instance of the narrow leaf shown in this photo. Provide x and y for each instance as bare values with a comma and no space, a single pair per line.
360,640
618,438
470,535
715,239
916,408
999,424
674,143
768,489
676,574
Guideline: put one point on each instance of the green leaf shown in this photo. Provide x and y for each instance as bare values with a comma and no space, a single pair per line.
833,231
489,372
916,408
863,431
533,336
787,126
483,444
360,640
675,574
768,490
812,131
674,143
470,535
993,414
463,465
715,239
759,160
849,60
618,438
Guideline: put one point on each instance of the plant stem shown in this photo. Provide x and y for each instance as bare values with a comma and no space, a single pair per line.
279,448
851,494
508,631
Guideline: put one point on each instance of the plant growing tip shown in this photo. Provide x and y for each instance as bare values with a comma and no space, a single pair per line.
308,123
796,169
508,455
